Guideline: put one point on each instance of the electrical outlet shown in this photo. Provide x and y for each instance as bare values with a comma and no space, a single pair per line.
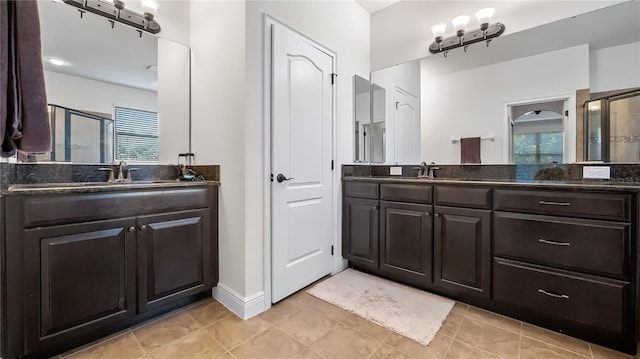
395,171
599,172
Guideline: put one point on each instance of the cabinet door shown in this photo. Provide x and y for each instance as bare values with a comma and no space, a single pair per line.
406,241
174,257
462,253
79,279
360,232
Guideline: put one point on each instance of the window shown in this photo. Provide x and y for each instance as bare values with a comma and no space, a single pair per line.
537,148
136,135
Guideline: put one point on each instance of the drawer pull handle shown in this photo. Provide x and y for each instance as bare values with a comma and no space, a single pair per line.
550,203
553,242
561,296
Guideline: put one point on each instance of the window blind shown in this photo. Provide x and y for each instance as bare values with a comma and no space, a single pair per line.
136,134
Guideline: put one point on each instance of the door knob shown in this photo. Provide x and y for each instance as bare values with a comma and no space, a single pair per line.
131,229
143,227
281,178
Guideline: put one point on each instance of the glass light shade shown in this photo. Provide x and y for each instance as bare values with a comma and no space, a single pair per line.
484,16
460,22
150,6
438,29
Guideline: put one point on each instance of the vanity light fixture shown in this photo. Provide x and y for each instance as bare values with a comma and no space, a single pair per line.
116,11
485,32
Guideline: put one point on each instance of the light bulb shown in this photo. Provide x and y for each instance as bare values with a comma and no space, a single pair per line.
460,22
438,31
484,17
150,8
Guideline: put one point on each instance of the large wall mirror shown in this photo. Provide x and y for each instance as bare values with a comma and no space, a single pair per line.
518,100
117,94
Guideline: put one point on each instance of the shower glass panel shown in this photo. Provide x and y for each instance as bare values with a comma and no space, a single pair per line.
594,130
624,117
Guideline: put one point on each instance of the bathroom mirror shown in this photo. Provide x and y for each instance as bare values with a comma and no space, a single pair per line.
113,72
468,94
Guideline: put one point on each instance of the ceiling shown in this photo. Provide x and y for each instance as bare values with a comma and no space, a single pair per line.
374,5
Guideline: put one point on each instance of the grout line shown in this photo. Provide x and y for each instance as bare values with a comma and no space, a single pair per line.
591,350
95,343
563,348
144,352
172,342
520,342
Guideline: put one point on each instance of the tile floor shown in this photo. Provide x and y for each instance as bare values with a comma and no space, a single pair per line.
303,326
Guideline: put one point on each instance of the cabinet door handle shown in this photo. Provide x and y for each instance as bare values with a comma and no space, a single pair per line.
561,296
427,213
551,203
131,229
541,240
375,208
143,227
438,215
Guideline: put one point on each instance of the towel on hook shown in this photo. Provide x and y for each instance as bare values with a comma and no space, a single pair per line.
24,119
470,150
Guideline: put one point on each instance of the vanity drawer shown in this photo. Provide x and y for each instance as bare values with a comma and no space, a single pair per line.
402,192
597,247
361,189
577,204
585,300
456,196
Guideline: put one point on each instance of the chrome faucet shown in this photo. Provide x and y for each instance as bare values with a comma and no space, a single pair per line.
121,177
121,167
426,170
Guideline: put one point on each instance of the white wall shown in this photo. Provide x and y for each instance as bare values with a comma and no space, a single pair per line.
472,103
97,96
173,17
402,32
218,122
615,68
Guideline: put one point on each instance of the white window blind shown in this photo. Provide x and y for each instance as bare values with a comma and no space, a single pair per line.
136,135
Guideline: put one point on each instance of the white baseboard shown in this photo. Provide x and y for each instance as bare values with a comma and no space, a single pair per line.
244,308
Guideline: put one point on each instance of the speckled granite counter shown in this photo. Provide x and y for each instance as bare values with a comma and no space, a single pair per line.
52,178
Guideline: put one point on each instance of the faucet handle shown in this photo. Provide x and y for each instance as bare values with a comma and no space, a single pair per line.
110,173
129,177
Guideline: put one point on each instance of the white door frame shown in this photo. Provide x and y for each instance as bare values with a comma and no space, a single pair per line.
337,264
568,126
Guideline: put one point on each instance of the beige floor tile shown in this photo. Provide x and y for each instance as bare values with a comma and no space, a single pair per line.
534,349
487,337
435,350
209,312
280,311
606,353
332,311
451,324
272,343
460,350
306,326
503,322
123,346
387,352
460,308
197,345
232,330
557,339
168,329
345,342
303,299
310,354
368,327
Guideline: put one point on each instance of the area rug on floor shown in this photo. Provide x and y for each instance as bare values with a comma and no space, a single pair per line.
411,312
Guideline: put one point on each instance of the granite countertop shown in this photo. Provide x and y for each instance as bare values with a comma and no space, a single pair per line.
599,185
98,187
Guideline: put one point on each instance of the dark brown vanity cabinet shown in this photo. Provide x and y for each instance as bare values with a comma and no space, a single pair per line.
564,258
462,240
360,224
81,266
406,232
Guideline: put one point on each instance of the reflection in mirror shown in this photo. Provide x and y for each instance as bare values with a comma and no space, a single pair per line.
617,118
362,118
108,68
537,132
468,94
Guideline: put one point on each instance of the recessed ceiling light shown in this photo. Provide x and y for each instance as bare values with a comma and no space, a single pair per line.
56,61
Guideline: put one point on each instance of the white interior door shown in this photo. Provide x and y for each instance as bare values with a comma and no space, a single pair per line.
301,142
407,123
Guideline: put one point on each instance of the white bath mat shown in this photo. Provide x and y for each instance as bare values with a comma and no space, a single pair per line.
411,312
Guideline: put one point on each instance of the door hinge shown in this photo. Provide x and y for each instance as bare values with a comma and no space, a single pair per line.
331,250
397,103
332,165
272,177
566,112
333,78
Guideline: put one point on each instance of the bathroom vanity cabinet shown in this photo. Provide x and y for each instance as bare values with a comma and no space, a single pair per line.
559,256
83,265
